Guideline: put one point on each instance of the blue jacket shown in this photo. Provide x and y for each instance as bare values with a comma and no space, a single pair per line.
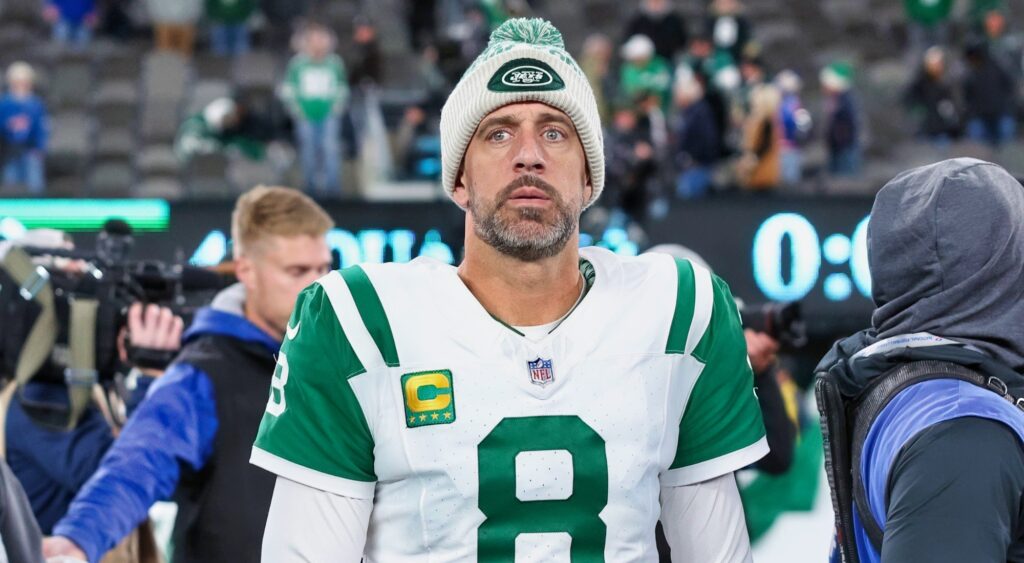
74,11
911,411
176,423
23,122
52,465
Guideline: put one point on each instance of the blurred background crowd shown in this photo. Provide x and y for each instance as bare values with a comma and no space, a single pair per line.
205,98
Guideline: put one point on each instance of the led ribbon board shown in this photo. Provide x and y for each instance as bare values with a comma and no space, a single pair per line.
85,215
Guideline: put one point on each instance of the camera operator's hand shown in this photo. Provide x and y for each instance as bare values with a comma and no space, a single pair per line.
761,349
59,546
155,328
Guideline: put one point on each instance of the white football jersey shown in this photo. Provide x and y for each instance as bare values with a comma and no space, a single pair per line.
478,444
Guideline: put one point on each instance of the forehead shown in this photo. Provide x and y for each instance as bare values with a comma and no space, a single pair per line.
297,249
526,111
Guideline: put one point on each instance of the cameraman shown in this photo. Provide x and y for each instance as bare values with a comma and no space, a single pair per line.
780,429
53,464
192,435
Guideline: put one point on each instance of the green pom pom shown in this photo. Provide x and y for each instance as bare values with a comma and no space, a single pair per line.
535,31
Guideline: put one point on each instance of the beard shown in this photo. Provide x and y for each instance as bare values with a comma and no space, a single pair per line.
526,233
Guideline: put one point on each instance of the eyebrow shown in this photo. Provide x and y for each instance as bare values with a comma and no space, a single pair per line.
515,119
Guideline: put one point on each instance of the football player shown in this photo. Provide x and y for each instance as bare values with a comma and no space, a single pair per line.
539,402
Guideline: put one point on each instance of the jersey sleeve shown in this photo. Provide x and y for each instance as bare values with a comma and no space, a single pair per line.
314,430
721,429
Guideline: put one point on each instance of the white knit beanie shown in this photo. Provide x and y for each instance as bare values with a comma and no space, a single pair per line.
525,61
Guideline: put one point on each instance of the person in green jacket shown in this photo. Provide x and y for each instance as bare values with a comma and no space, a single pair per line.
229,30
644,71
927,24
315,91
223,125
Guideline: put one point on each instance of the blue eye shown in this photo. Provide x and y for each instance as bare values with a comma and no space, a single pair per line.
553,135
500,135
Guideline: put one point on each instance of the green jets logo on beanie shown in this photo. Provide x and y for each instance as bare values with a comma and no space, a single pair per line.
525,75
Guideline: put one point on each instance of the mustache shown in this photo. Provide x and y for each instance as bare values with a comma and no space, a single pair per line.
528,180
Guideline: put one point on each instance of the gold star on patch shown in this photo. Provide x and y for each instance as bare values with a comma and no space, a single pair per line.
434,416
412,419
423,417
447,416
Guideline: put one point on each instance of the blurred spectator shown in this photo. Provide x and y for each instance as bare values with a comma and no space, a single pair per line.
696,138
842,120
712,68
474,32
72,21
315,90
1006,48
759,167
988,97
284,14
229,25
932,100
927,24
644,71
663,25
24,130
418,146
364,55
630,163
727,27
653,122
596,64
174,24
224,124
796,126
421,19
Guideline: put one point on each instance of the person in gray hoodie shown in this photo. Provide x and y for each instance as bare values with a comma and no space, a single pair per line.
935,465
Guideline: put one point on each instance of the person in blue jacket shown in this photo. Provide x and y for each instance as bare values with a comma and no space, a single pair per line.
191,437
53,464
942,458
24,130
72,21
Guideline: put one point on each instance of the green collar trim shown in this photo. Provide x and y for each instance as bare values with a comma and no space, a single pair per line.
589,275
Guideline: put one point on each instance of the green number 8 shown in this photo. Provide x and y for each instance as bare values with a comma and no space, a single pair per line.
507,516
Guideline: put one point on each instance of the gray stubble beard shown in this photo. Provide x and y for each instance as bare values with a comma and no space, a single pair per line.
509,236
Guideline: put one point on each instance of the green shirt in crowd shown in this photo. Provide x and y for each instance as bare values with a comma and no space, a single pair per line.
230,11
928,12
315,89
655,76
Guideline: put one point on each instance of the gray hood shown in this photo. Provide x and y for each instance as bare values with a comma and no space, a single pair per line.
946,252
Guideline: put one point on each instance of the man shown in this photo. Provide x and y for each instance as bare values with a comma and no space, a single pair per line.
192,433
315,91
937,470
24,131
534,402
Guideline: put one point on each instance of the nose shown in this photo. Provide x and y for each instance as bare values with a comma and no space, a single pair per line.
529,156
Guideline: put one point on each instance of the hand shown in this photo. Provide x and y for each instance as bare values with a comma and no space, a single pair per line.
155,327
761,349
151,327
57,546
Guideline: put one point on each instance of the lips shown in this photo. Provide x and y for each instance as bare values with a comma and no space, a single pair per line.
528,193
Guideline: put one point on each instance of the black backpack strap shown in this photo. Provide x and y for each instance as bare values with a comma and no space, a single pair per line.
835,433
877,396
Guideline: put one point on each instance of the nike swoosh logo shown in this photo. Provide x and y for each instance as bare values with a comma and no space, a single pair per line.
291,331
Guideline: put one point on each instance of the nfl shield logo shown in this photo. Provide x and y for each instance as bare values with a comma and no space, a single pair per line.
540,372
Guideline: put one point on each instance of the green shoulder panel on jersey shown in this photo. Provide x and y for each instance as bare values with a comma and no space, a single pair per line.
722,414
371,310
314,419
683,316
